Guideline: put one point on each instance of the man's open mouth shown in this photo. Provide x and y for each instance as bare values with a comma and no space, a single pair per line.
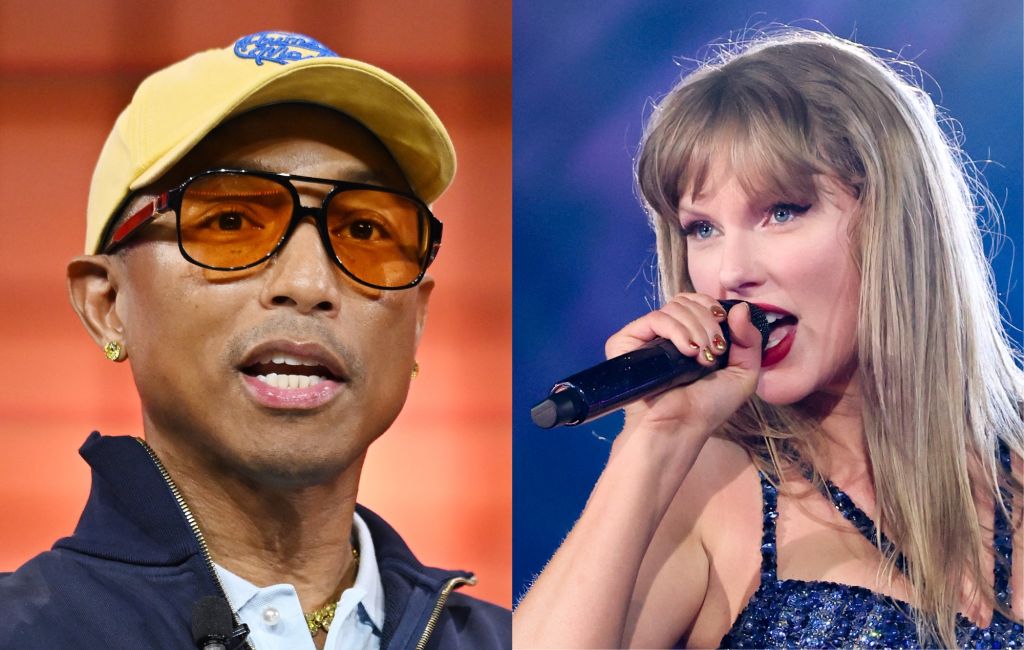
286,371
287,365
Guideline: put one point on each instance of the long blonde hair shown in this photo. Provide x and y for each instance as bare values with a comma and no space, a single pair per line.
939,376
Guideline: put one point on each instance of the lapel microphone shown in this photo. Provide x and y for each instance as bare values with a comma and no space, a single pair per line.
213,626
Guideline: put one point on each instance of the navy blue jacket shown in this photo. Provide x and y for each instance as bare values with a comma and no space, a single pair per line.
130,574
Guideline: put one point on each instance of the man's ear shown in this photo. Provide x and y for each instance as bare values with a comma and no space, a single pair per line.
92,287
423,290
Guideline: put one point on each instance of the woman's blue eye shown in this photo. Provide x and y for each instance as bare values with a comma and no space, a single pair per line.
699,230
786,212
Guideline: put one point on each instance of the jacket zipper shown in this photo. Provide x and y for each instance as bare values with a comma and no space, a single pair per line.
194,525
439,607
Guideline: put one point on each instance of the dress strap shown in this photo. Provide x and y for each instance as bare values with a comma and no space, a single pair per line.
770,497
860,520
1002,541
1002,535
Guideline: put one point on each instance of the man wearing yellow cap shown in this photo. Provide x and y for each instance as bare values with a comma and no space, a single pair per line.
257,245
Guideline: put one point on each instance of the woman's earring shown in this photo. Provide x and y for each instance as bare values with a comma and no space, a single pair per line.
114,351
415,369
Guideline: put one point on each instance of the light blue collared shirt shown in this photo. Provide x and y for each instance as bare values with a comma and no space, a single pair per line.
275,617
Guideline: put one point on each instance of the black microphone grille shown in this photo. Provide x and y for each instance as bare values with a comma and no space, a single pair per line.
211,620
757,317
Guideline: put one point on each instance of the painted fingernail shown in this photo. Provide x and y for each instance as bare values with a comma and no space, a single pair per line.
717,311
718,342
694,345
707,355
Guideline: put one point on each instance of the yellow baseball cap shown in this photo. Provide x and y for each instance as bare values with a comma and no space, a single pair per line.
174,108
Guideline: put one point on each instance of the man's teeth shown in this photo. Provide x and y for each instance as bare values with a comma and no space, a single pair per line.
288,361
287,380
290,381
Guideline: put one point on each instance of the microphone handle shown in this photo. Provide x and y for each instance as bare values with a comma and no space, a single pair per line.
653,368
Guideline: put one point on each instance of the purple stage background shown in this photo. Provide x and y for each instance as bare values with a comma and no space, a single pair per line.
583,77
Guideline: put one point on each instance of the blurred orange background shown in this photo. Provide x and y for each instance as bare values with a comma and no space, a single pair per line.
442,475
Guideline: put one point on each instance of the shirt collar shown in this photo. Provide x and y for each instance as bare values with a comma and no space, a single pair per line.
368,578
367,590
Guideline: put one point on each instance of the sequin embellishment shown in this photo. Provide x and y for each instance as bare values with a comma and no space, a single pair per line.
821,614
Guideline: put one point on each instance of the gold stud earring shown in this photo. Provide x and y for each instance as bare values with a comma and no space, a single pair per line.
114,351
415,369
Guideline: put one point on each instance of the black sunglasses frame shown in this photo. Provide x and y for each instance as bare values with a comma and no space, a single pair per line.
171,200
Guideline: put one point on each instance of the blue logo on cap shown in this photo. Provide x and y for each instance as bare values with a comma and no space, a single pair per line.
279,47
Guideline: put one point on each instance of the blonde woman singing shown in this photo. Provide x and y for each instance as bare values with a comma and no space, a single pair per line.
858,483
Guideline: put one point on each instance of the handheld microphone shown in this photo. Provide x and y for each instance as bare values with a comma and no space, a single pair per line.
212,623
648,370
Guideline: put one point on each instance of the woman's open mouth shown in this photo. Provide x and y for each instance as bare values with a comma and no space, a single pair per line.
782,327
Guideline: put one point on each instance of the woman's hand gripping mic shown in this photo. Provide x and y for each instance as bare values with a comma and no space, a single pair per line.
693,323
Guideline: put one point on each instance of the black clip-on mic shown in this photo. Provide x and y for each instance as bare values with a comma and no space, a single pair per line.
653,368
213,625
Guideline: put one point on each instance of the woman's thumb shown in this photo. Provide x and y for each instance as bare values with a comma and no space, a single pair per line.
745,350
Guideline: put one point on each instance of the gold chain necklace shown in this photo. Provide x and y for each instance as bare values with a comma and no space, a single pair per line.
323,617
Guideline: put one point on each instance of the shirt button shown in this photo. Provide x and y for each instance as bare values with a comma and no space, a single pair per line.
271,616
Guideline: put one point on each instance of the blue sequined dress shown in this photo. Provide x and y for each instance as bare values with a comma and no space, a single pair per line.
820,614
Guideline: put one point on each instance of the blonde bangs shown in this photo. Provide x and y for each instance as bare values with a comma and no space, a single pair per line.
766,167
729,124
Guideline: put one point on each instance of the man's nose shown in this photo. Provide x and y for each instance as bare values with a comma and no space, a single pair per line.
301,276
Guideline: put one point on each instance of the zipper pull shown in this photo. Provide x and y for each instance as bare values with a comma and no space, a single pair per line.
442,600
